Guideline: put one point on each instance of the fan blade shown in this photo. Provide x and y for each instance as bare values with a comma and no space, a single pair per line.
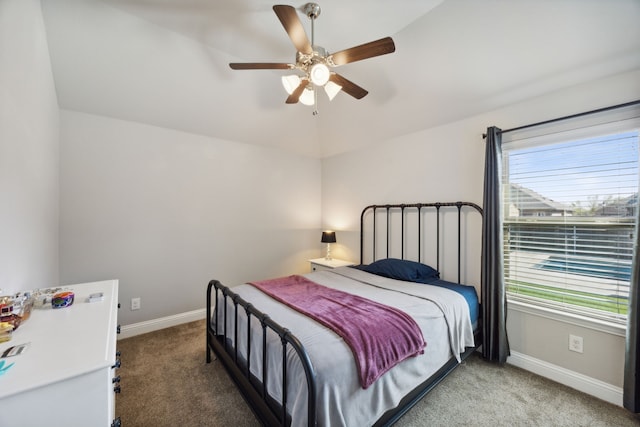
348,86
260,66
295,95
364,51
292,25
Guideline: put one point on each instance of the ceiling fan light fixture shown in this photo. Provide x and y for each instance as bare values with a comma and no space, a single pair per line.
332,89
307,97
313,62
319,74
290,83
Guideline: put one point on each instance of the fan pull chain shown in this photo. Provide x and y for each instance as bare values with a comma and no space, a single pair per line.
315,102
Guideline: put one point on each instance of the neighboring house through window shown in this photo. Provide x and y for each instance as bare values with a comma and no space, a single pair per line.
570,198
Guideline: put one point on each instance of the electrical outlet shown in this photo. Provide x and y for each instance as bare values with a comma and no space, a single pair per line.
575,343
135,303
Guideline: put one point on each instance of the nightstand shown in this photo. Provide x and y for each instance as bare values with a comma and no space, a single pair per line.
324,264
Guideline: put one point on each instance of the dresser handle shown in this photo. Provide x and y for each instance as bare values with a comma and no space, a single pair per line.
116,423
116,389
118,363
116,379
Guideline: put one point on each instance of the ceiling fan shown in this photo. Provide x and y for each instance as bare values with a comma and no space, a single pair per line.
314,62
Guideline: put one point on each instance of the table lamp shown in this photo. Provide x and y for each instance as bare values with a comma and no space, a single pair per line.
328,237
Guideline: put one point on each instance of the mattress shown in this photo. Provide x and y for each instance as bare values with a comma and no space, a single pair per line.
467,291
442,314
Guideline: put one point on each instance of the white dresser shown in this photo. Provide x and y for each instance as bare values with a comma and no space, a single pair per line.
66,377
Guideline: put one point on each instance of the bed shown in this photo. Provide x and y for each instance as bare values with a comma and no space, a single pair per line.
295,370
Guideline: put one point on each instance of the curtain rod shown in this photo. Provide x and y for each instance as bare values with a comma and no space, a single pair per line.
573,116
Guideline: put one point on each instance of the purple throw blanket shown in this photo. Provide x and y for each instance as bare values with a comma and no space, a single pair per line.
379,336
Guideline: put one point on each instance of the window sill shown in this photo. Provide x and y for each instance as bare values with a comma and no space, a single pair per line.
574,319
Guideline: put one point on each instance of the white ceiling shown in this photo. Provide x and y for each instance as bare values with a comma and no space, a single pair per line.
165,62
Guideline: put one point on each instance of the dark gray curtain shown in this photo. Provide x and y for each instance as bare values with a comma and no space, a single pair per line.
495,345
631,397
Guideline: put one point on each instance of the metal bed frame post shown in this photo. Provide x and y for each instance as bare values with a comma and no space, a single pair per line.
419,232
437,236
459,238
374,236
235,328
284,378
402,227
264,355
247,312
388,229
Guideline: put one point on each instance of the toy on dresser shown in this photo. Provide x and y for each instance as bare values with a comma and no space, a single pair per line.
16,309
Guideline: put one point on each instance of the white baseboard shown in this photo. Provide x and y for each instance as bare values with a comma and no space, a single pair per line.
140,328
580,382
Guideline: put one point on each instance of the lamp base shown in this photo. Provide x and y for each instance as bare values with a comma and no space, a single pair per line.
328,256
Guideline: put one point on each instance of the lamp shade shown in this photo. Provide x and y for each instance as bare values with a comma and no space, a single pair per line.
332,89
328,237
290,83
307,97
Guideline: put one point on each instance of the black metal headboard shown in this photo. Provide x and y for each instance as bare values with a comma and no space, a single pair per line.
412,225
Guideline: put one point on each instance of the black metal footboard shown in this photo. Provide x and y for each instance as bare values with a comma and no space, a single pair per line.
254,390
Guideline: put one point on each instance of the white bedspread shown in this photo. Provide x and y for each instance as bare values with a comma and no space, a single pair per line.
442,314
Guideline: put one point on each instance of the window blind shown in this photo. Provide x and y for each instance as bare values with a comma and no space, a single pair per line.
570,198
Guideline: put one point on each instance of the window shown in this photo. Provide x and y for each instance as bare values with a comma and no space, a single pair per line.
569,205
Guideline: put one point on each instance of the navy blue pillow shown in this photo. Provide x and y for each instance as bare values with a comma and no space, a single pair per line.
400,269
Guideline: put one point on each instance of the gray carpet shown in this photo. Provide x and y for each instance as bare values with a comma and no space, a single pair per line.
166,382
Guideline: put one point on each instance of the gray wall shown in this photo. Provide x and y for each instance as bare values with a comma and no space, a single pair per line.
446,163
28,151
165,211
